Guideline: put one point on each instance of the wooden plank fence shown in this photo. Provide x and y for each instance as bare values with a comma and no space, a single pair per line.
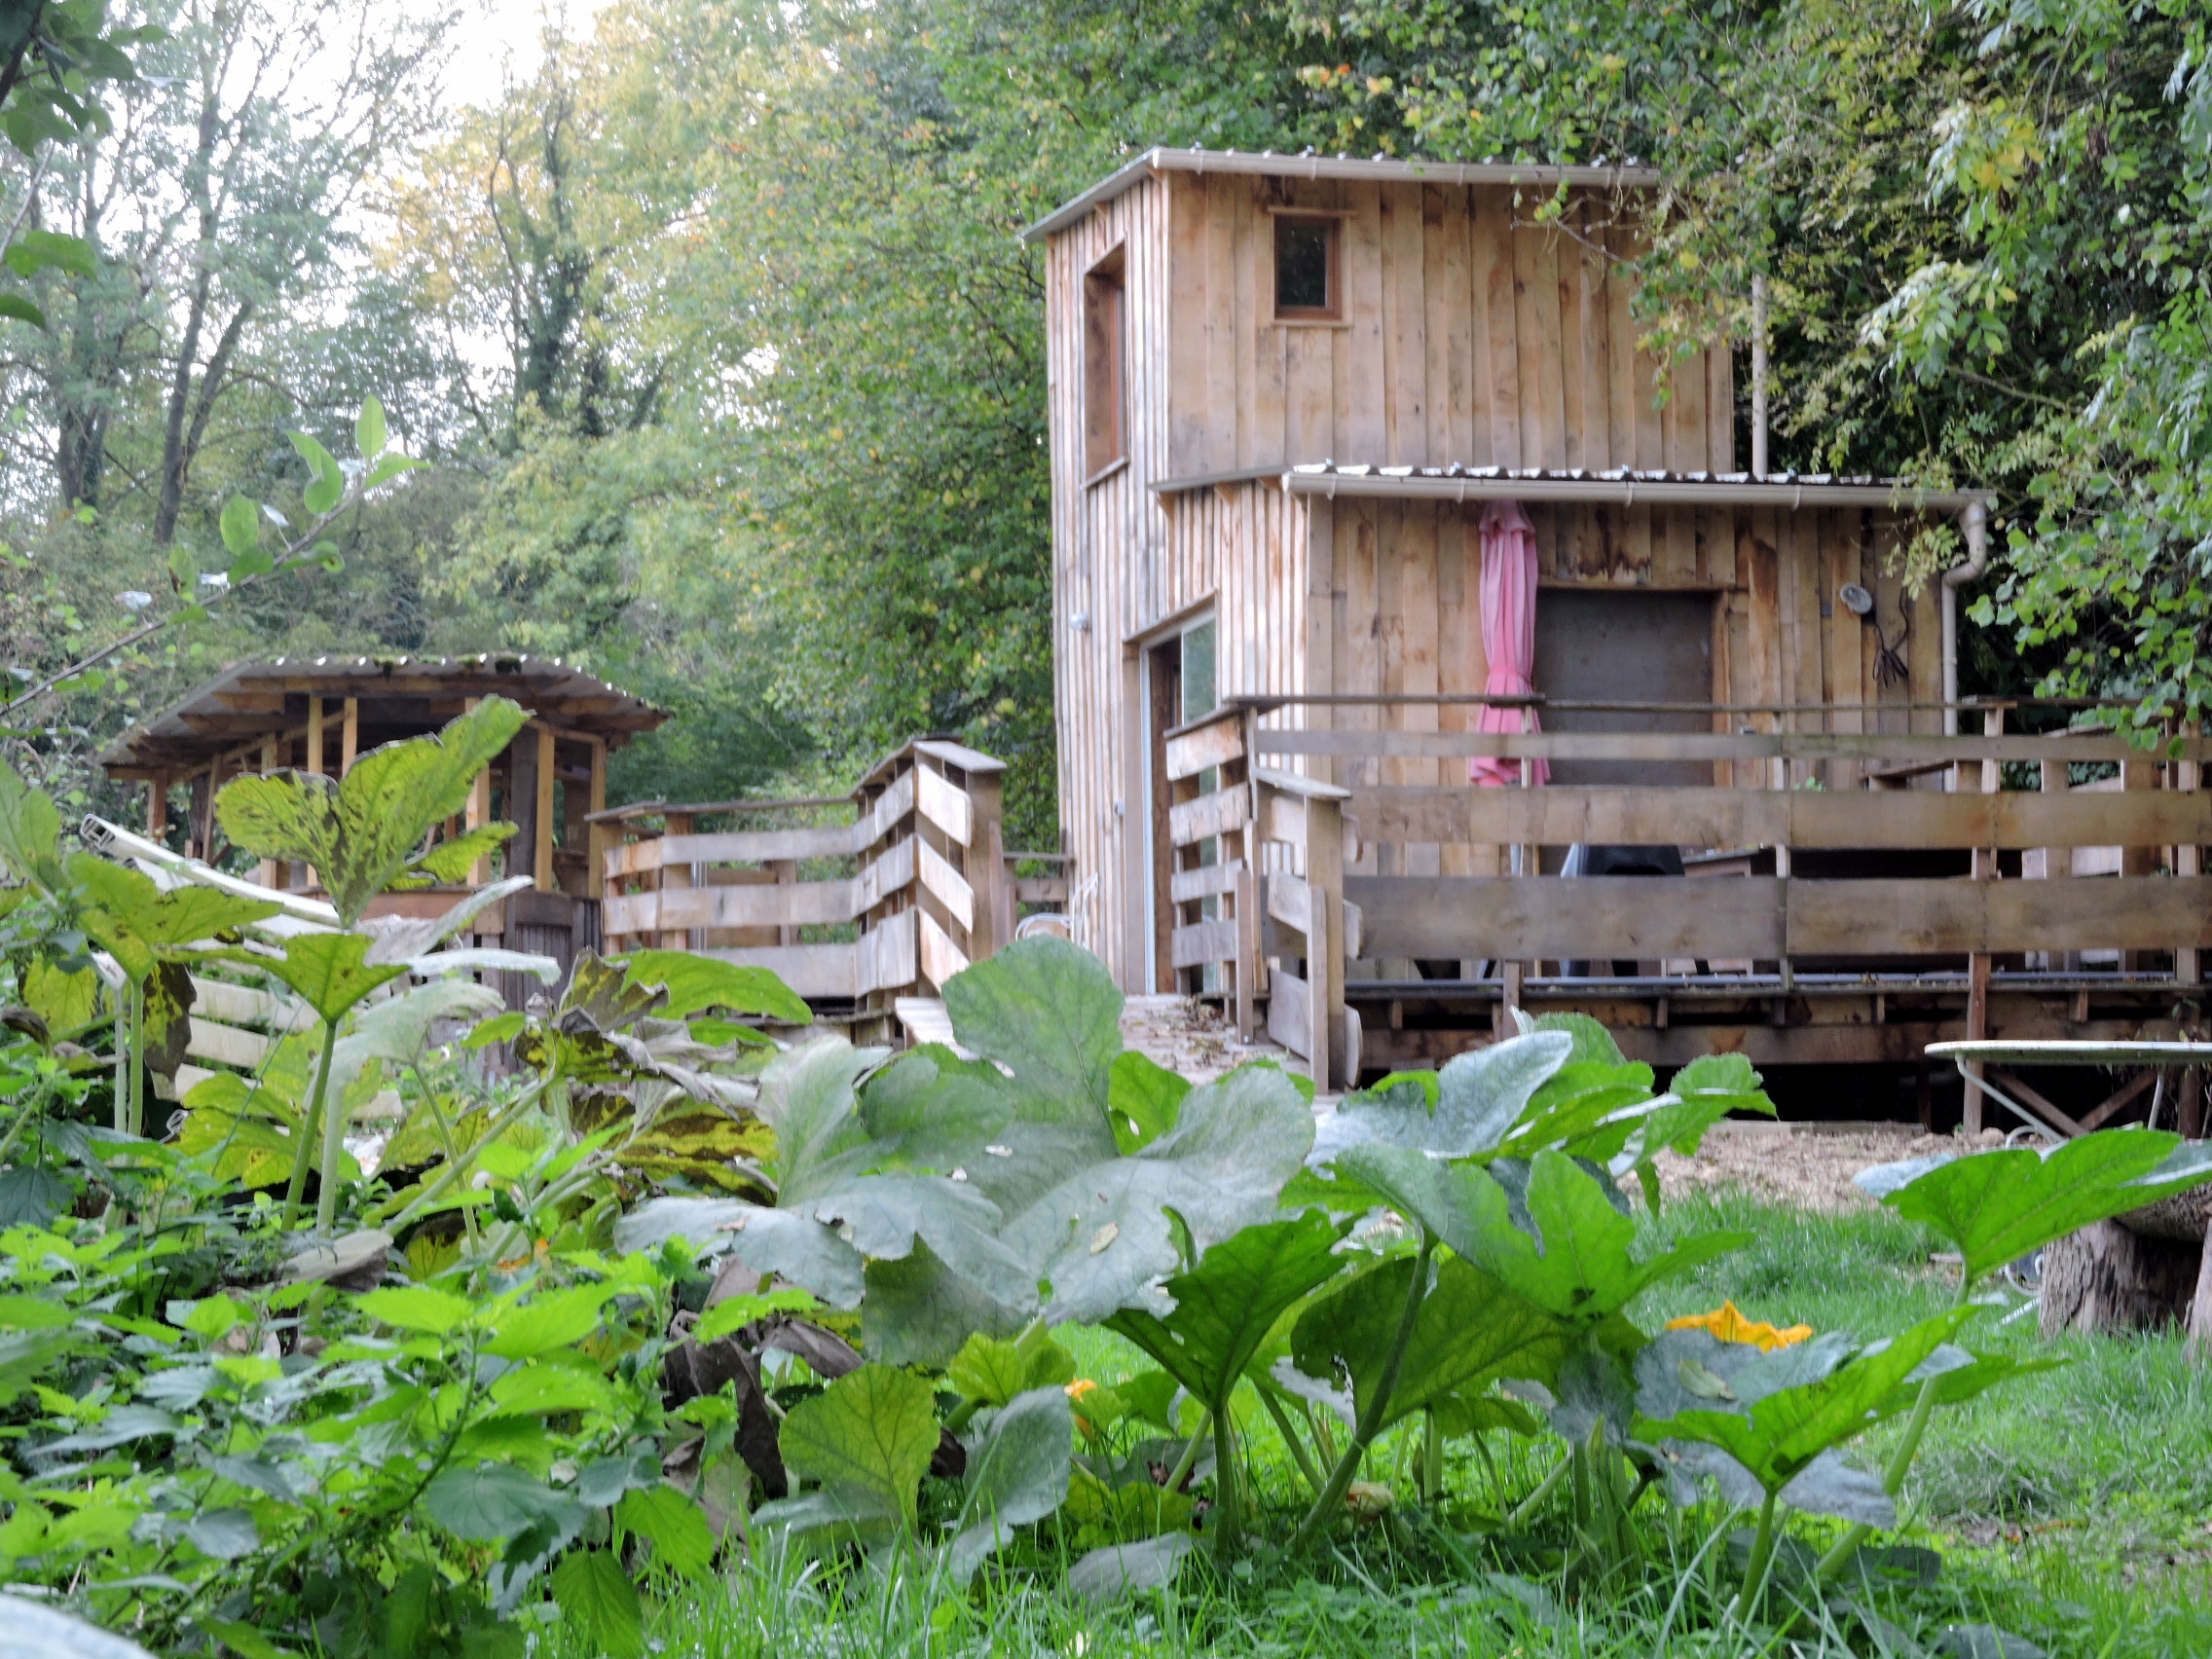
918,885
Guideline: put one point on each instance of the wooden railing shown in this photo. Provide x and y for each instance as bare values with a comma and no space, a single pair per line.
2052,879
913,888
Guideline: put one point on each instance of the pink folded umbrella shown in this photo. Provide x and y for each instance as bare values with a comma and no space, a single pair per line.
1509,636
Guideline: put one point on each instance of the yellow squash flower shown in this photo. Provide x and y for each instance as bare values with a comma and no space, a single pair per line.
1730,1326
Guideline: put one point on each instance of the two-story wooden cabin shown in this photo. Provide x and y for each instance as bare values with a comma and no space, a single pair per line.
1285,392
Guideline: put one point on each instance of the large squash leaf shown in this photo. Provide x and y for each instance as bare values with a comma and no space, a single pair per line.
331,972
1569,1252
1480,1097
1017,1472
867,1439
361,834
1470,1332
1048,1011
1999,1205
831,1216
1227,1306
1775,1414
692,982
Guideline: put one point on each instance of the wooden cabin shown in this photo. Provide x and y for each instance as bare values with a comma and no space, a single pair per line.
317,714
1284,390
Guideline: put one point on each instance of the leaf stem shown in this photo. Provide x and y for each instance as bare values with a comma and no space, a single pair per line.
1227,1530
1184,1464
297,1185
333,1134
1431,1458
1900,1465
1754,1571
1368,1422
454,1170
1529,1505
1298,1452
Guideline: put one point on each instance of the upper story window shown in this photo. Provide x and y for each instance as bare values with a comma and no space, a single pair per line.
1102,425
1309,279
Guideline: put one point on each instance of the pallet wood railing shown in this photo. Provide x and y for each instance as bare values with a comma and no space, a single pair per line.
920,881
1256,910
2051,873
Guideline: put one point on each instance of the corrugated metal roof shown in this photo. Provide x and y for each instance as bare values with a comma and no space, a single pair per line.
400,695
1266,164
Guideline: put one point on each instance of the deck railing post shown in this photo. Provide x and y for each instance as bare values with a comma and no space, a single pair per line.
1984,868
1325,875
672,878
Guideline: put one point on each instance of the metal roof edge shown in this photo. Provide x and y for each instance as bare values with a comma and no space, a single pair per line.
1268,163
1787,493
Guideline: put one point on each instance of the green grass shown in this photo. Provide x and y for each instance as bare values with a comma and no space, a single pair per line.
2074,1507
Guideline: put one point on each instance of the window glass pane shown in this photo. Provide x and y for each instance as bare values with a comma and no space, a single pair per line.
1199,694
1301,265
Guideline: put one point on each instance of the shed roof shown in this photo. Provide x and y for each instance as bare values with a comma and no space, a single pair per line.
1455,483
1266,164
398,696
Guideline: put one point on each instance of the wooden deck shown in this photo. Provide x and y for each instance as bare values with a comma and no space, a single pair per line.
1819,937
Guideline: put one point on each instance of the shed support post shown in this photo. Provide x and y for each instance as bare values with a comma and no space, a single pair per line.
158,806
1325,966
597,839
269,872
350,735
542,865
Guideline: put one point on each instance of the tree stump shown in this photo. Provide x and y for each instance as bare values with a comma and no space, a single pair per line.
2142,1270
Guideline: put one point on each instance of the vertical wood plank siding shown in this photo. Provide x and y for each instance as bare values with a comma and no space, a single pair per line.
1470,334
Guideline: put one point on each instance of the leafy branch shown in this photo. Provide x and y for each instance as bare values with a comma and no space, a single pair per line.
332,487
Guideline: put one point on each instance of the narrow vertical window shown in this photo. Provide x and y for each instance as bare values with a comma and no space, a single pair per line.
1102,443
1307,275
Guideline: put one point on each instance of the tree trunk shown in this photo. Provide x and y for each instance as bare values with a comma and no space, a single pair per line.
2107,1277
2140,1271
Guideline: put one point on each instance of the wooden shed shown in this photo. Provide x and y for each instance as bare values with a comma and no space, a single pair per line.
317,714
1284,390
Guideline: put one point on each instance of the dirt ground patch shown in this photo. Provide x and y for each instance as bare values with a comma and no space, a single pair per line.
1800,1164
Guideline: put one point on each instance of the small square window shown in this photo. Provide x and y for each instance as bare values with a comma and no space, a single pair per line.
1306,267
